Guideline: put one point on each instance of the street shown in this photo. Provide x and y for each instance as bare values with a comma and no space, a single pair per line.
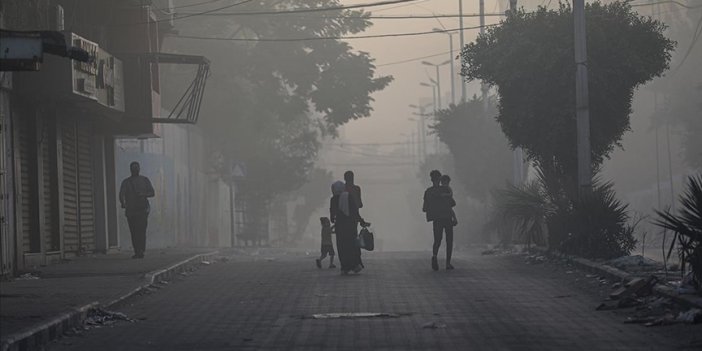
267,301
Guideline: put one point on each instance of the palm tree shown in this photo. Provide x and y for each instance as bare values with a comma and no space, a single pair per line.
687,226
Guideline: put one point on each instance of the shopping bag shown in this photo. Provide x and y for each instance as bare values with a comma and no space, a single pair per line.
366,240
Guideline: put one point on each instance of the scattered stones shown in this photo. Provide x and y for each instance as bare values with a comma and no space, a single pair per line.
433,325
636,263
28,276
636,286
100,317
692,316
350,315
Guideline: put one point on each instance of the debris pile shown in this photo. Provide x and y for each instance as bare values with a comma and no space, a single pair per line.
535,259
99,317
646,308
28,276
636,263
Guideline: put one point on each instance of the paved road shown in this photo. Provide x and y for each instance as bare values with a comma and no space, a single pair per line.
487,303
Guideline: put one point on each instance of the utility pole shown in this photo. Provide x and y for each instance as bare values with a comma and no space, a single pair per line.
582,109
460,25
518,154
450,60
483,87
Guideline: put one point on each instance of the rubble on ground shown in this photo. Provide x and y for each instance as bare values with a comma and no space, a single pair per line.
100,317
636,263
28,276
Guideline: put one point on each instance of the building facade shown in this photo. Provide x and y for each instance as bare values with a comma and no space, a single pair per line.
61,158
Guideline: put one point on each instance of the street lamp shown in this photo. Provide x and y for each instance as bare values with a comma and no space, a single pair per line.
433,87
438,81
421,128
453,92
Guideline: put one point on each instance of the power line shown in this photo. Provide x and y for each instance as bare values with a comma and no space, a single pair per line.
189,5
378,144
327,37
215,12
667,2
696,36
270,13
413,59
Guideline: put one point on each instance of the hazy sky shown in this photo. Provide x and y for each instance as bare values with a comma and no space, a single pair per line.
391,114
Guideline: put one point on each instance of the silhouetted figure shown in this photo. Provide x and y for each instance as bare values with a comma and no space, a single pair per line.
133,195
438,204
327,245
343,211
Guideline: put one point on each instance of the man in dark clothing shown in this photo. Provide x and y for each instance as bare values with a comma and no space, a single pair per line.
133,195
438,204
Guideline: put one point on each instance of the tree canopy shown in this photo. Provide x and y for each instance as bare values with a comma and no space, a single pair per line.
481,153
529,58
268,103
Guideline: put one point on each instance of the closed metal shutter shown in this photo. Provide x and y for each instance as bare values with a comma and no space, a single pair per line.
50,233
24,144
86,204
6,237
71,238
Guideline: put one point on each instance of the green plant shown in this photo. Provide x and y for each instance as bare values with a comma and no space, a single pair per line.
529,58
687,225
481,154
526,206
597,225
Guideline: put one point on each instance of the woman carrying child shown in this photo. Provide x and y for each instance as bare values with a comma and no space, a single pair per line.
343,211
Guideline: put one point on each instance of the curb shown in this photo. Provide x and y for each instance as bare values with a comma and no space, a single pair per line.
38,336
618,274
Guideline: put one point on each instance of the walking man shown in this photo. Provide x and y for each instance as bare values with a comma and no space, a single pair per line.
438,206
133,195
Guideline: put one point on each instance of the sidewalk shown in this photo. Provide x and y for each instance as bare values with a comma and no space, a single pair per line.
62,289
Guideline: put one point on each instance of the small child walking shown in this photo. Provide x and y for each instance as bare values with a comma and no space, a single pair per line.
445,180
327,246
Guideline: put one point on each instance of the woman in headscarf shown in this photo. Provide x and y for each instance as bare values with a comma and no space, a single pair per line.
343,211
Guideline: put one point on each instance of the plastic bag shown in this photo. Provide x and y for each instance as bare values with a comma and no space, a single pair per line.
366,239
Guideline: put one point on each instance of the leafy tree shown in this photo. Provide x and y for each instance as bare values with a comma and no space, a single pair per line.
481,154
529,57
268,103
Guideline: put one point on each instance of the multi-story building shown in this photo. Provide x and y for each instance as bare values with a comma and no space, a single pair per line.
60,123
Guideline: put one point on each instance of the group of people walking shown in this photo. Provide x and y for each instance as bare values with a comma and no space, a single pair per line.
344,218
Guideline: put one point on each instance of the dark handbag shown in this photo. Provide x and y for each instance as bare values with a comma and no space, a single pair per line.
366,240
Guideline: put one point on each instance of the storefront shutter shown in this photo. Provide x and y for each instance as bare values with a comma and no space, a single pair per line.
71,239
86,204
24,144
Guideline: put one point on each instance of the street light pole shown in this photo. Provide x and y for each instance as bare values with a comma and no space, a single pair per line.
422,130
518,154
460,25
433,87
450,35
582,109
483,87
438,81
438,87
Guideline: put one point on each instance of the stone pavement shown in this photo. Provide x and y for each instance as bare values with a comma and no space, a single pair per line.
268,302
77,282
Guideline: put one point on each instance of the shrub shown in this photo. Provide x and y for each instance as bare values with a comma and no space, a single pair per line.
598,225
687,226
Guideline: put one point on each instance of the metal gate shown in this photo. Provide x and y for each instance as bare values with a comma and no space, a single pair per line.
6,239
78,197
